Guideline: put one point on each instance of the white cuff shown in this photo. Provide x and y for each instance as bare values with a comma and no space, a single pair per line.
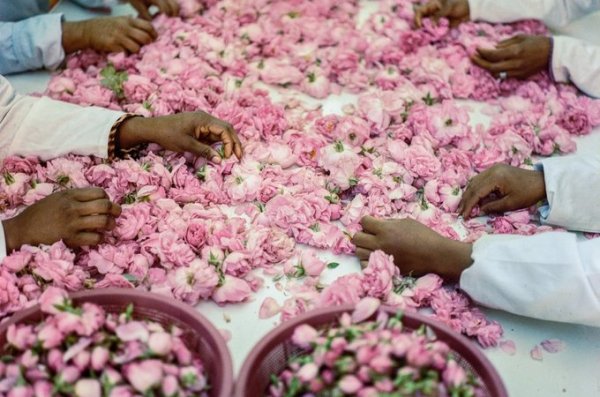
572,184
3,252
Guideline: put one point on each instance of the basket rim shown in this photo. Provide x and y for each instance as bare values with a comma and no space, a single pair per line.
472,354
211,335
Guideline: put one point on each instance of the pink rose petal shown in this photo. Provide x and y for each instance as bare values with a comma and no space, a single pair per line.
508,347
553,345
269,308
364,309
536,353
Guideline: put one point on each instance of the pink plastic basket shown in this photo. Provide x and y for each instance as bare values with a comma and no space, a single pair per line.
272,353
198,333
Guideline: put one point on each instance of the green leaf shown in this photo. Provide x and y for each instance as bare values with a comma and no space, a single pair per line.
8,178
332,265
129,312
62,180
300,272
113,80
429,100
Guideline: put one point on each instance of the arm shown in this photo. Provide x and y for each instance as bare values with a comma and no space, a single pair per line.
569,184
572,185
33,43
47,128
550,276
553,13
567,66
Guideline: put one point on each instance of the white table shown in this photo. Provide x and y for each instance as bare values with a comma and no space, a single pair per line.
572,372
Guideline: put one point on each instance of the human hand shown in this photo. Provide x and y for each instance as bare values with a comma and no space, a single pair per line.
113,34
184,132
416,248
79,217
168,7
457,11
520,56
503,188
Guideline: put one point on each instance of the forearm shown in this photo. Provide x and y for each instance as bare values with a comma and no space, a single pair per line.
549,276
554,13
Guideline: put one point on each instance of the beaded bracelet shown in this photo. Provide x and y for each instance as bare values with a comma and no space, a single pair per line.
114,137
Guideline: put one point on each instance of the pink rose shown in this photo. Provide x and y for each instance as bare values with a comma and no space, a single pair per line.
16,261
144,375
194,282
138,88
51,299
196,234
278,72
377,277
316,85
88,388
132,220
312,265
304,335
344,290
575,121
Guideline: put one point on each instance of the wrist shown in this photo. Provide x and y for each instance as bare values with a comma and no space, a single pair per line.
74,37
539,186
133,132
12,234
458,259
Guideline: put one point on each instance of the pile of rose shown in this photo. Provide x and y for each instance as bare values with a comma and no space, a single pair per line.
83,351
196,230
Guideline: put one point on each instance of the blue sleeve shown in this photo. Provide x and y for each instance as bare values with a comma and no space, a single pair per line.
30,44
100,5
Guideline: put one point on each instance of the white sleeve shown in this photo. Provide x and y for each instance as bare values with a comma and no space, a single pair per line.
554,13
549,276
47,128
578,62
572,189
3,252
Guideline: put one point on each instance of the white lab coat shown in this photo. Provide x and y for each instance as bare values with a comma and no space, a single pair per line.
47,128
573,60
551,276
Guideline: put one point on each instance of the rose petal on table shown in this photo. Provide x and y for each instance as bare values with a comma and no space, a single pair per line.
508,347
553,345
364,309
269,308
536,353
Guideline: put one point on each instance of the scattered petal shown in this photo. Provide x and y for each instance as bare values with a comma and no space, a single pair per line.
553,345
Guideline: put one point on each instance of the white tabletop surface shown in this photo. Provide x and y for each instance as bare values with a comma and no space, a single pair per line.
573,372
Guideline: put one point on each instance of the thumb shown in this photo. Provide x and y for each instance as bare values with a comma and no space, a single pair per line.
193,146
497,206
141,8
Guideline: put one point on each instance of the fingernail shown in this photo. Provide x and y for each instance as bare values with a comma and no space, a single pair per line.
216,159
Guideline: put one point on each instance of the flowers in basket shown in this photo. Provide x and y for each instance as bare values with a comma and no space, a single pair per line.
366,357
80,350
